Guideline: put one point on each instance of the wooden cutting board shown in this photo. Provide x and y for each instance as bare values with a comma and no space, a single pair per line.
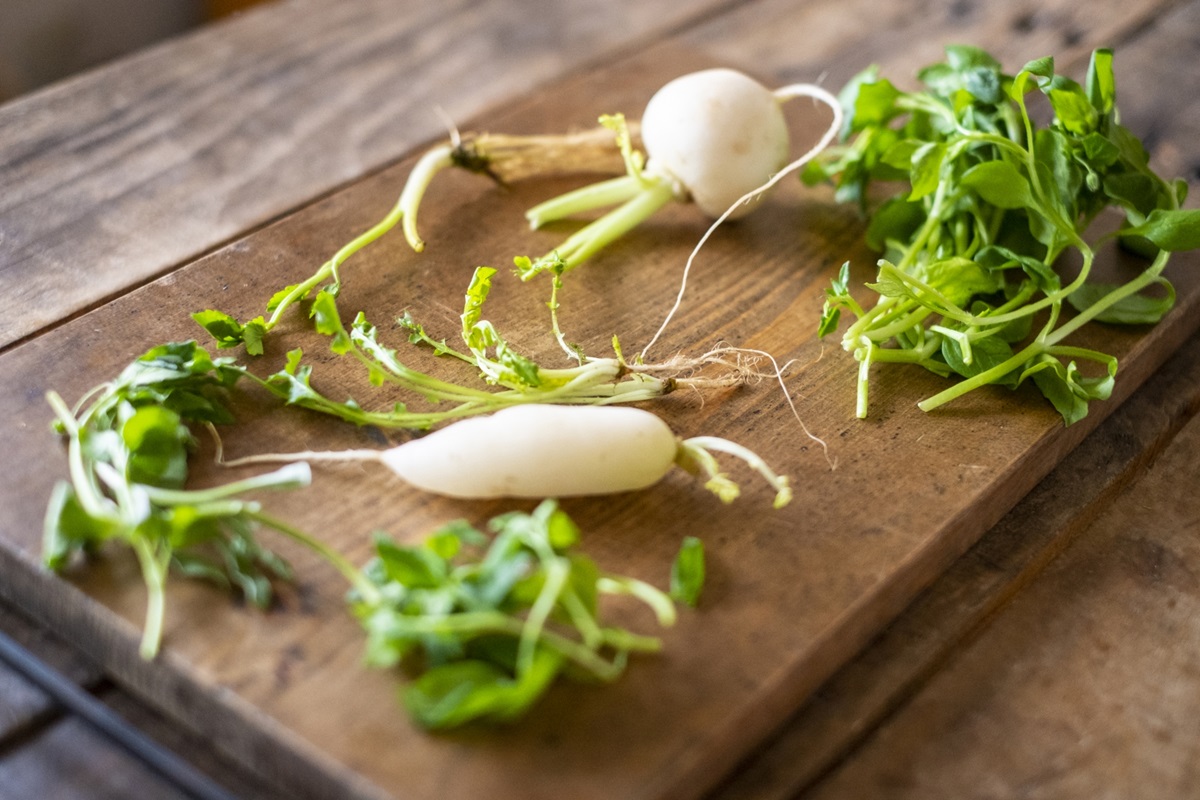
791,593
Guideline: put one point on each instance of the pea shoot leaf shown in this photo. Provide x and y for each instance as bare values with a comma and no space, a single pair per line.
688,571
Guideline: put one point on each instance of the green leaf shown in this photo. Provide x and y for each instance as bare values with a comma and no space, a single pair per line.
1101,153
1053,151
830,317
688,572
280,296
968,70
1132,190
1072,108
926,169
199,567
1065,386
1137,309
226,330
477,294
999,183
896,219
1101,83
848,98
963,57
986,352
891,287
836,297
941,79
996,257
411,567
983,83
585,575
253,334
1133,152
497,578
69,528
328,321
460,692
561,530
448,541
1042,68
1051,378
874,103
157,442
526,370
1173,230
899,156
959,279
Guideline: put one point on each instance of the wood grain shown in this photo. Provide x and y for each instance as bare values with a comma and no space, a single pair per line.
832,42
792,596
126,172
1084,686
930,632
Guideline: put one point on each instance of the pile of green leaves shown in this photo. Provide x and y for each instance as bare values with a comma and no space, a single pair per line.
970,250
490,622
128,443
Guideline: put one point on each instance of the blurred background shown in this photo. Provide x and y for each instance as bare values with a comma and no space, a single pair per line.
42,41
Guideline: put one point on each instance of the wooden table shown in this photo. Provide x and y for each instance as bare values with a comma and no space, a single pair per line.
1047,648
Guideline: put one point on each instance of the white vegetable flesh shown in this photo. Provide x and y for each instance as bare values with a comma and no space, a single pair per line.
540,451
718,133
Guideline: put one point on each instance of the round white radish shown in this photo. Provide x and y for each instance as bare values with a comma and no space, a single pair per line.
718,133
540,451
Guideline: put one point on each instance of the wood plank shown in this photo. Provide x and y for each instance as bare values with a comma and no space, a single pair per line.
932,631
1084,686
125,172
913,648
793,594
47,751
910,650
839,39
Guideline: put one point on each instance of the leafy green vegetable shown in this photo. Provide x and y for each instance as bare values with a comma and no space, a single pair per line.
512,378
993,203
492,621
127,449
495,620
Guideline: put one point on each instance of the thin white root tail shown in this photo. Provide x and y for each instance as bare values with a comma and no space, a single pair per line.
277,458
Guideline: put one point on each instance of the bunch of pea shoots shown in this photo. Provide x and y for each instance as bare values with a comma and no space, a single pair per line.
970,283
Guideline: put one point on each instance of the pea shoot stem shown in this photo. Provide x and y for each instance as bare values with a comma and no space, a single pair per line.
352,574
